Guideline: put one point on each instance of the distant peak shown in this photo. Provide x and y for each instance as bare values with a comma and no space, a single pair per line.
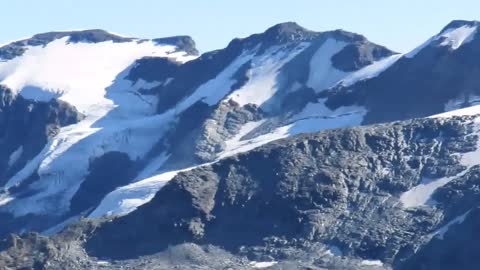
90,35
459,23
288,31
17,48
183,43
287,28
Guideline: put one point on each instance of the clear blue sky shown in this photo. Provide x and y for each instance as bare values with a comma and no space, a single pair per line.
400,25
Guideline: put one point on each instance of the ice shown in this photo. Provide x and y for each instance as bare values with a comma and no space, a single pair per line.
236,144
421,194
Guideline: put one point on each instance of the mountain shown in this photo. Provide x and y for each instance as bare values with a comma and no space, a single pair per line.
258,154
440,75
145,114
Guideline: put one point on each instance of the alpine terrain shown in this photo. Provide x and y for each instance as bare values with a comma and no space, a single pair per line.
288,149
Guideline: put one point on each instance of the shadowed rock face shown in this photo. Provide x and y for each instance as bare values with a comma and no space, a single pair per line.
339,187
436,79
112,170
26,126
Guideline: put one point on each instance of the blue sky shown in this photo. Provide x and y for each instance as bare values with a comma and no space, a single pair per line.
400,25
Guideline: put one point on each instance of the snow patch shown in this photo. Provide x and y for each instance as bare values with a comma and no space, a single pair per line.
5,199
262,265
262,76
370,71
126,199
322,73
372,263
235,145
455,38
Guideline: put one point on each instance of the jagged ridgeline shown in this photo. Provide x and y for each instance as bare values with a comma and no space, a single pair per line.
289,149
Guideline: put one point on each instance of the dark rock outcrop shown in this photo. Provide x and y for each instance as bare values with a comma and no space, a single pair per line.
339,188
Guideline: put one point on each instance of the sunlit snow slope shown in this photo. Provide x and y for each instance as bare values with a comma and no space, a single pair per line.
89,76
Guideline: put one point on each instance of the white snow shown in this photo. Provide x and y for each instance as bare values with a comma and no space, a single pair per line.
262,76
5,199
421,194
77,73
459,36
262,265
370,71
15,156
458,220
235,145
371,263
322,73
90,77
126,199
103,263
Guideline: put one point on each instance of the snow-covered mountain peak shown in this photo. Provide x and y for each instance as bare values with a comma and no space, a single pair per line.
288,31
19,47
77,72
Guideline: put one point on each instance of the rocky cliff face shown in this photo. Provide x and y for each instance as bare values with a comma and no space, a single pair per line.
340,192
26,127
